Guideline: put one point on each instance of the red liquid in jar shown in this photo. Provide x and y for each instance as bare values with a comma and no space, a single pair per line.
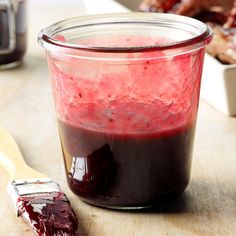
127,129
126,170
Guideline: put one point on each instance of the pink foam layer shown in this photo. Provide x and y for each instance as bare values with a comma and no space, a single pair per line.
141,96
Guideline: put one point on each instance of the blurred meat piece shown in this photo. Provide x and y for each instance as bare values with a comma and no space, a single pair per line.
219,14
231,21
184,7
195,7
158,5
223,47
215,15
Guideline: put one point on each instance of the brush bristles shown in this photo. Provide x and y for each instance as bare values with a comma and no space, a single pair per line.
26,187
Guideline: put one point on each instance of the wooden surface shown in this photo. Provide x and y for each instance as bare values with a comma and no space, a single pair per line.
12,161
208,207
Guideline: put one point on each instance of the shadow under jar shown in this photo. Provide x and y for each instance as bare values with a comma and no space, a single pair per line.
13,27
126,91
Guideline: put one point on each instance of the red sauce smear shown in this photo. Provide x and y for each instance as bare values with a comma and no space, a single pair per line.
49,214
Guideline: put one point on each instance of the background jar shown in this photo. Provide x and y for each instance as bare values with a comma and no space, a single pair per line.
13,29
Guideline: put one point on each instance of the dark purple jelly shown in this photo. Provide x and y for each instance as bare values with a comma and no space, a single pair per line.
13,33
49,214
126,170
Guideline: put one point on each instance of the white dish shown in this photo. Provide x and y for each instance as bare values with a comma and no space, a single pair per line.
219,85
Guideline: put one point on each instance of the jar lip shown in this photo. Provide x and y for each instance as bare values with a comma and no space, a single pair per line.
46,36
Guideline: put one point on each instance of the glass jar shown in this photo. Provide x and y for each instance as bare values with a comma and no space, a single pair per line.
13,27
126,91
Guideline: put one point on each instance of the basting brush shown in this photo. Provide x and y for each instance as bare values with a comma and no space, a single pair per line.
35,197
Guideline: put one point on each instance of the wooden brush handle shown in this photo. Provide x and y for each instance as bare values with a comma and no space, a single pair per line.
12,160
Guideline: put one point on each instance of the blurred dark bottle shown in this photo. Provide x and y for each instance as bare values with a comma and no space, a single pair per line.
13,27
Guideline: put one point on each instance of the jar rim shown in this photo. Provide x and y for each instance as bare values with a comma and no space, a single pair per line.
47,40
